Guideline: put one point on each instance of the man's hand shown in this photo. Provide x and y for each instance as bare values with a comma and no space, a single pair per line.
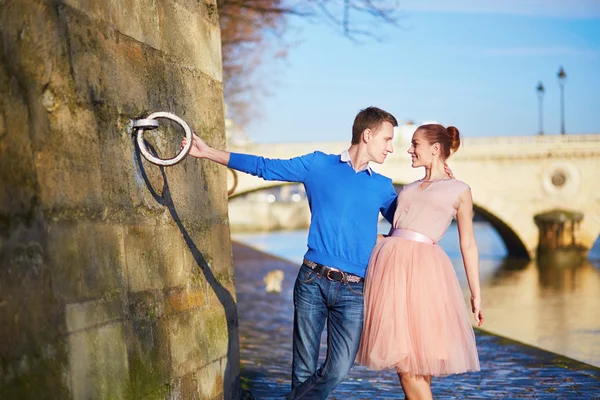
199,149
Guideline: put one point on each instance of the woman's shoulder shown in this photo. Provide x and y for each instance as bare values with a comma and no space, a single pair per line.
459,187
461,184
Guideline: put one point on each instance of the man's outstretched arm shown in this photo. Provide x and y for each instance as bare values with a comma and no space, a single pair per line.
292,170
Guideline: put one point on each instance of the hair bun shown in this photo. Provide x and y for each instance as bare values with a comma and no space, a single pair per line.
455,135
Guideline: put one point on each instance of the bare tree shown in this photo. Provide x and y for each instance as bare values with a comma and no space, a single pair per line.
252,33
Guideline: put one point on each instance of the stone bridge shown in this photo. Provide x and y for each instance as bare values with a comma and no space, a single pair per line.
512,178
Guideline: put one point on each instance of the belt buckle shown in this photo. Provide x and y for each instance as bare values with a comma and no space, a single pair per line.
335,270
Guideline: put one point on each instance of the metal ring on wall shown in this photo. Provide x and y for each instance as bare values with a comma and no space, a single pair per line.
235,182
149,123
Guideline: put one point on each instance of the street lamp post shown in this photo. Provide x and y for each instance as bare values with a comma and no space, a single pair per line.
540,91
562,76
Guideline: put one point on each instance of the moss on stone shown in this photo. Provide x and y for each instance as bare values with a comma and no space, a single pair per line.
144,381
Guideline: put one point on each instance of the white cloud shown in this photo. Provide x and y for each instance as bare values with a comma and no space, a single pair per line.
538,8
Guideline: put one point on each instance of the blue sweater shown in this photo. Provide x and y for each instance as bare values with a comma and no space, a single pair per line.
344,204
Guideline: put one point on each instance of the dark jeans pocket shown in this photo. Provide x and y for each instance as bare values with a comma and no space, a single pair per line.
306,275
356,288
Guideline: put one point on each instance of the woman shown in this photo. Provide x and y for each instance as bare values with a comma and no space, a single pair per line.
415,317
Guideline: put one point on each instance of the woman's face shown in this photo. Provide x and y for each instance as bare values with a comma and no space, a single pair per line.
422,153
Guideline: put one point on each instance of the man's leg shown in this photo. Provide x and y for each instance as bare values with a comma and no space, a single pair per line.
310,312
343,338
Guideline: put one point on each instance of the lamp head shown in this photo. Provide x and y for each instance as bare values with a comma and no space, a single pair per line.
540,89
561,74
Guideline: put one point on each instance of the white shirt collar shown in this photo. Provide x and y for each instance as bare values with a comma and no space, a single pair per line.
345,157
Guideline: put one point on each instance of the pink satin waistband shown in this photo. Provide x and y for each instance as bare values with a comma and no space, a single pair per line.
412,235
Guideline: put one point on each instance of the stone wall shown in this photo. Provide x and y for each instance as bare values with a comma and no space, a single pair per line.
116,276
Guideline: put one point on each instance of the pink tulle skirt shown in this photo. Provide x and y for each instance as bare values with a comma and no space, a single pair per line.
416,319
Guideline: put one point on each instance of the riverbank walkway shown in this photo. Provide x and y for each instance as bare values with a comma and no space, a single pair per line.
509,369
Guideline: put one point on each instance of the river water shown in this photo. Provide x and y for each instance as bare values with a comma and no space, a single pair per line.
550,307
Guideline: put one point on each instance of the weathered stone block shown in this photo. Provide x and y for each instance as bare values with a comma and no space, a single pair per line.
86,260
220,246
207,9
216,332
189,40
209,240
69,178
99,364
217,294
148,306
194,258
198,96
188,342
40,372
135,18
80,316
33,40
155,258
205,384
186,299
148,355
210,380
17,169
110,69
197,338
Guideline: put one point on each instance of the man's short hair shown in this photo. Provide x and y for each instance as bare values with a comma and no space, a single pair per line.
370,118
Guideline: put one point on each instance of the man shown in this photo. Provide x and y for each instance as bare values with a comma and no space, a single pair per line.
345,197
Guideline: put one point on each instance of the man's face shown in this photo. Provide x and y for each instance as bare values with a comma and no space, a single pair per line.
379,142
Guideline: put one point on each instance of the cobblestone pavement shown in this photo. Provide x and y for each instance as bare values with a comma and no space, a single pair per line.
510,370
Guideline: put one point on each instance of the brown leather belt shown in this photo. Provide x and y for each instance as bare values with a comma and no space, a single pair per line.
333,274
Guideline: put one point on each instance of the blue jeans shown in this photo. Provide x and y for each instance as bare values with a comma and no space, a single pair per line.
316,300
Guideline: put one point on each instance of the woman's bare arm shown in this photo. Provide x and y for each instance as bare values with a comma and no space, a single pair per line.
470,254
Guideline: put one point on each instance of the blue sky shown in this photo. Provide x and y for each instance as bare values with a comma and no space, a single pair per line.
472,64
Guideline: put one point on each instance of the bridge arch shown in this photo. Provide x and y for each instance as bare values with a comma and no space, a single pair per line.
513,243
